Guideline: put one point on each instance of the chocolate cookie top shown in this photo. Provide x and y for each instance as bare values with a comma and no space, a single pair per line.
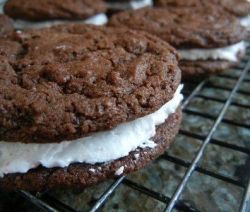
69,81
6,25
239,8
39,10
236,7
199,27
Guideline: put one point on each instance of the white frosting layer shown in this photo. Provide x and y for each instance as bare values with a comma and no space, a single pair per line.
245,22
135,4
228,53
2,2
99,19
140,4
97,148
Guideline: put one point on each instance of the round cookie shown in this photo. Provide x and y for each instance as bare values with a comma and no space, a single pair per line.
66,82
36,10
205,27
236,7
82,175
239,8
6,25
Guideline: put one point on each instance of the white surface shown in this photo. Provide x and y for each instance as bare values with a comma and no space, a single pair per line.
228,53
99,19
245,22
98,148
135,4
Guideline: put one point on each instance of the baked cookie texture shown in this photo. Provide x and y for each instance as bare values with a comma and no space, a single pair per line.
205,27
37,10
6,25
202,68
180,3
239,8
71,80
82,175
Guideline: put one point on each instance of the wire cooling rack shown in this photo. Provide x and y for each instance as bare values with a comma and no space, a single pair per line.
210,158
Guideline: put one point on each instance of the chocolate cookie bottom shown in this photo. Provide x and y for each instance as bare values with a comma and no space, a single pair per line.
202,69
81,175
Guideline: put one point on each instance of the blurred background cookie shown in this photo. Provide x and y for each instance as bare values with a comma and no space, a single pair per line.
6,25
207,38
36,13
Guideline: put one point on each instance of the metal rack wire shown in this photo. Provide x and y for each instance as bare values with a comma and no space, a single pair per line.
193,90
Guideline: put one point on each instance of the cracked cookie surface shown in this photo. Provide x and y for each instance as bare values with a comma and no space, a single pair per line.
184,28
69,81
37,10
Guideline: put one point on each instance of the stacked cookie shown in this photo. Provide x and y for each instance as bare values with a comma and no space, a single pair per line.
80,104
238,8
209,40
37,14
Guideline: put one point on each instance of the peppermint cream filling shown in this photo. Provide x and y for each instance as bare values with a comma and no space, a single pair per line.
99,147
99,19
134,4
229,53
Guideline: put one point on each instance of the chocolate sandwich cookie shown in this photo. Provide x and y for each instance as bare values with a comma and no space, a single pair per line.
67,84
77,97
239,8
43,13
82,175
6,25
201,34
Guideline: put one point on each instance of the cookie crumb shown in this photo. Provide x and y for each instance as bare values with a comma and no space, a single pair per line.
119,171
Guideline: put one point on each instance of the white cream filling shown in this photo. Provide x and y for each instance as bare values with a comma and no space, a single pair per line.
245,22
2,3
228,53
140,4
135,4
97,148
99,19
